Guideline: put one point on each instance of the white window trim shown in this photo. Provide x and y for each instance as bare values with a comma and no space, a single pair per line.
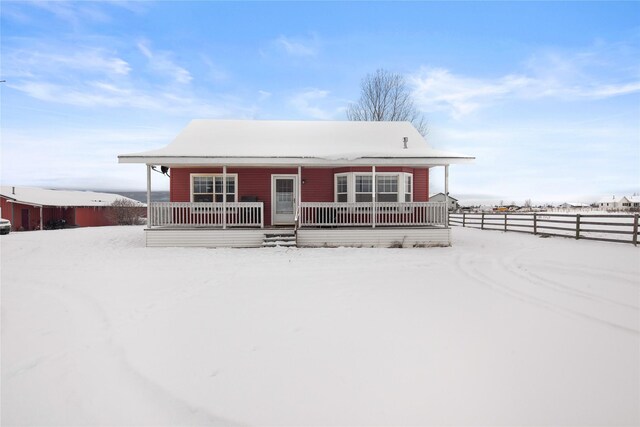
353,189
406,175
214,175
351,184
335,186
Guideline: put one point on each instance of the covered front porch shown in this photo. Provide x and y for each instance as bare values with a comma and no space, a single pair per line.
243,211
316,224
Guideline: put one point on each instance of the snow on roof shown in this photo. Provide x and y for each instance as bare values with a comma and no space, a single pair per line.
575,205
46,197
443,195
270,139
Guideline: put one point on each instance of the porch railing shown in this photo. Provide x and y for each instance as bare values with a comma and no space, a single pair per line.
319,214
188,214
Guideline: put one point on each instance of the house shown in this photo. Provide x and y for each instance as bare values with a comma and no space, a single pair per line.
634,202
30,208
441,197
614,204
245,183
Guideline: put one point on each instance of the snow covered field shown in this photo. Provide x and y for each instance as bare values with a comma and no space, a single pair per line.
500,329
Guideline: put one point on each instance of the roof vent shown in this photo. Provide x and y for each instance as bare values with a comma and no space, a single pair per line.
13,190
405,140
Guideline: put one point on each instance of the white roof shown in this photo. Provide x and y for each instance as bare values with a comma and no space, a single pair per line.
633,199
45,197
575,205
296,142
443,196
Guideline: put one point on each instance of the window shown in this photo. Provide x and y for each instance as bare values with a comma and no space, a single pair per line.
408,188
387,188
202,189
342,188
363,188
358,187
210,188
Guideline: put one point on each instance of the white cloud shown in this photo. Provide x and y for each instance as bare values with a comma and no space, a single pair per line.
74,157
307,102
40,60
437,89
215,73
297,46
95,77
581,76
264,95
76,14
73,13
160,61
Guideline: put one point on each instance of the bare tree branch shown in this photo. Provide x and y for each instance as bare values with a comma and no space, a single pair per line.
384,96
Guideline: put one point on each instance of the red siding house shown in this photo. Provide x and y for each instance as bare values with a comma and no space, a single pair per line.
245,183
30,208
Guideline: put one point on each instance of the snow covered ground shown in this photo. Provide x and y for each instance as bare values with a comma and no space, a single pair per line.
500,329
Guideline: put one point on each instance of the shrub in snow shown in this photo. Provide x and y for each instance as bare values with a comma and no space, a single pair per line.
124,212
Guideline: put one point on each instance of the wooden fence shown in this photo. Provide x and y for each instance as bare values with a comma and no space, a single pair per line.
607,228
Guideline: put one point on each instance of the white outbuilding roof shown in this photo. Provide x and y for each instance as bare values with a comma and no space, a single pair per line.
270,142
67,198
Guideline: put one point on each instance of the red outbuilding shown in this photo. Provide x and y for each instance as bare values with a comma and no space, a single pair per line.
30,208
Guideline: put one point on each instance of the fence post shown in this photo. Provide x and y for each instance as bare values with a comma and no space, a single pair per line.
577,226
635,229
482,222
505,222
464,218
535,223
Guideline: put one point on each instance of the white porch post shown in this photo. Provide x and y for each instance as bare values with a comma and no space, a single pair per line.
224,197
446,195
373,197
41,227
299,189
148,196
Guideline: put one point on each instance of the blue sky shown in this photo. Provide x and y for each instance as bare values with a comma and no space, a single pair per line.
546,95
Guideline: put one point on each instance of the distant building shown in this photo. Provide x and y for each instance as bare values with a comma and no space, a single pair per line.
625,203
30,208
634,202
440,197
570,205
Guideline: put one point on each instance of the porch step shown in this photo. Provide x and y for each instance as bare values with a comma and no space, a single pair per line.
279,238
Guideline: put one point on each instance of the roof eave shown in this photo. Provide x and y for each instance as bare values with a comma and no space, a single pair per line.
291,161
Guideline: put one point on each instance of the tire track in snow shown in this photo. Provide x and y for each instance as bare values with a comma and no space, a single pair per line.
517,269
628,279
464,262
98,329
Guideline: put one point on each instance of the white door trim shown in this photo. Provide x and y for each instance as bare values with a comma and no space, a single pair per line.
273,197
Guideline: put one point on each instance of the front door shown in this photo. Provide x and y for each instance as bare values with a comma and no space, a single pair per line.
283,198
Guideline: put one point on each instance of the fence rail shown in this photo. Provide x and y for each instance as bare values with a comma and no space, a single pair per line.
199,214
319,214
579,226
